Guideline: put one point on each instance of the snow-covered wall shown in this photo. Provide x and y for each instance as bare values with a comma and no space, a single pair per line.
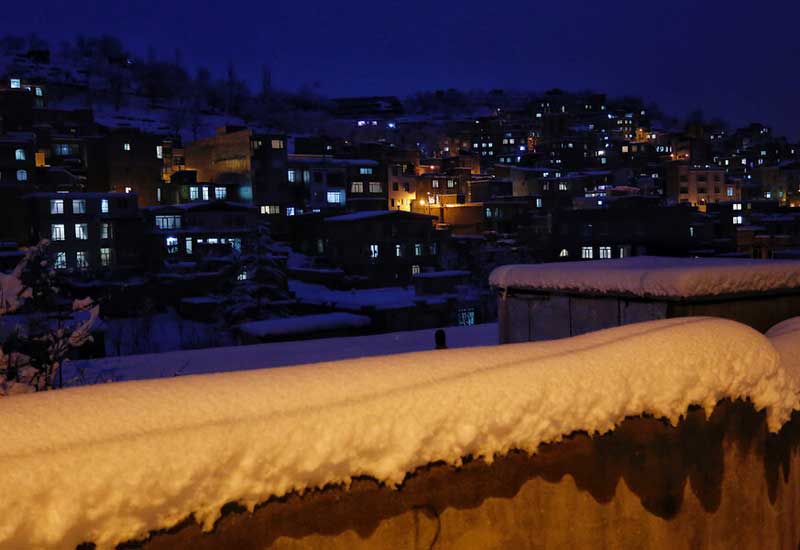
111,463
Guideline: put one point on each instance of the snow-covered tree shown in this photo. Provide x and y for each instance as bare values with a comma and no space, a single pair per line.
33,350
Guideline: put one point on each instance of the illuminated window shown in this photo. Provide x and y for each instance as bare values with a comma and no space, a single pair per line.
365,171
172,245
415,269
105,230
22,175
373,251
564,253
16,83
60,260
737,206
19,154
81,231
398,250
562,186
605,252
81,261
128,189
105,257
435,184
277,144
220,193
168,222
290,210
375,187
451,184
126,146
57,232
335,197
205,193
104,206
159,152
291,175
737,220
466,317
79,206
56,206
194,193
271,209
242,275
357,187
538,203
188,242
587,253
418,249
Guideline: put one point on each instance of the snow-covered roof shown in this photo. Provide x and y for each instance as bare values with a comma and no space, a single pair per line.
140,456
369,214
650,276
304,324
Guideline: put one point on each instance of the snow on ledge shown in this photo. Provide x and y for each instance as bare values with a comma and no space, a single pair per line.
304,324
109,463
653,276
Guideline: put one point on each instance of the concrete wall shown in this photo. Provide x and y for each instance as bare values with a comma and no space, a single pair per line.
714,483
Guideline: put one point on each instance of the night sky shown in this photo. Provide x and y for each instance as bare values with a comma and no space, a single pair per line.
735,59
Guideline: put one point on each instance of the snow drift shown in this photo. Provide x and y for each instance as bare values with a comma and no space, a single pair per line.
110,463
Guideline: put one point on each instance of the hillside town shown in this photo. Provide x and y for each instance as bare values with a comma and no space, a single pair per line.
198,213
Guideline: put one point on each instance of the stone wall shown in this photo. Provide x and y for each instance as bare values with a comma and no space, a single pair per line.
720,482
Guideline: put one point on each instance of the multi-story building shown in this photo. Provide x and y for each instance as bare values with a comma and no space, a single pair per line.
254,163
87,231
699,185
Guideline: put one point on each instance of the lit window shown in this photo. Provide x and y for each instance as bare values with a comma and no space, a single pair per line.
126,146
605,252
159,152
22,175
81,261
56,206
172,245
290,210
81,231
564,253
242,275
205,193
418,249
538,203
188,242
306,176
60,260
488,212
466,317
357,187
105,257
220,193
57,232
79,206
291,175
737,220
691,232
587,253
737,206
104,206
335,197
375,187
398,250
768,195
562,186
168,222
451,184
729,191
277,144
38,91
194,193
271,209
158,194
365,171
19,154
373,251
16,83
435,183
415,269
128,189
105,230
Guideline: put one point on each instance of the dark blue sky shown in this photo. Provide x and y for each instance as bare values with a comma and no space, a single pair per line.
736,59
